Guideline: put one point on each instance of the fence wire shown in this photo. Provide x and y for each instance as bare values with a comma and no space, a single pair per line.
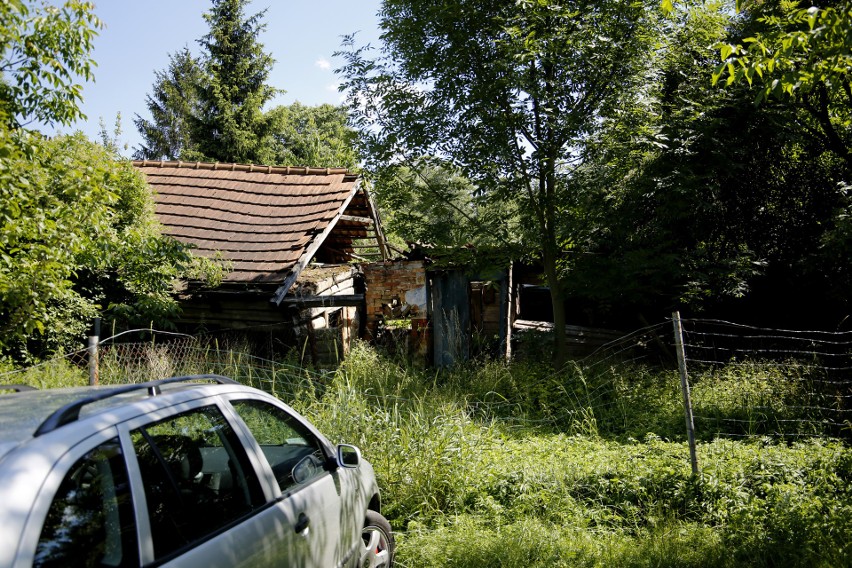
781,383
745,381
140,362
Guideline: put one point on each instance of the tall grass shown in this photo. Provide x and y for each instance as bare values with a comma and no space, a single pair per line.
494,464
513,465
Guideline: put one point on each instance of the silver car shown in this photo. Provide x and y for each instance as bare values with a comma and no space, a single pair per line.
179,472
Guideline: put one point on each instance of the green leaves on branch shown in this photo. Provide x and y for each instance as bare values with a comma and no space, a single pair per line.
78,236
44,50
796,51
802,57
78,239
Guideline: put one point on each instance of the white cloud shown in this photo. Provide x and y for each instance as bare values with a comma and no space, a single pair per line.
323,63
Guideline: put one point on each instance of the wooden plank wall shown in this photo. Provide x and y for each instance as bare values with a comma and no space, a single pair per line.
580,340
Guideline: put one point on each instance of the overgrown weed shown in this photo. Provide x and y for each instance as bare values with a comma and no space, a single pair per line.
495,464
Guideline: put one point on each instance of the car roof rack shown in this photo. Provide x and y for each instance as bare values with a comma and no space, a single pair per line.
71,411
17,388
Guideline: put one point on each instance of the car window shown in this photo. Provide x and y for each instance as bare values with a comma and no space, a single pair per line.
197,477
293,452
91,520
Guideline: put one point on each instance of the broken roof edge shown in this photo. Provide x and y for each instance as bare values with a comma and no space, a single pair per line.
248,168
314,247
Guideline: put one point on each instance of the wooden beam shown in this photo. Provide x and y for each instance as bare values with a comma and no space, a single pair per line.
377,223
312,249
352,218
324,301
346,254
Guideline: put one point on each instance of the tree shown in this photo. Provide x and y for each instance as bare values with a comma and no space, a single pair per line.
508,92
801,55
58,268
651,185
212,108
708,202
230,125
78,237
431,203
314,136
174,100
43,51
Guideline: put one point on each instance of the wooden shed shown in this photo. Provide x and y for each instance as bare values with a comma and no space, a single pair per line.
290,237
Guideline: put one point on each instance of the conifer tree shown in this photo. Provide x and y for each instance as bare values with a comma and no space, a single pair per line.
174,99
230,125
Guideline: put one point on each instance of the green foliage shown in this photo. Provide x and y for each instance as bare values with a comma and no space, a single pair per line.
230,125
800,55
314,136
698,198
511,486
212,108
44,49
798,50
60,269
55,373
175,98
429,202
508,93
467,487
78,237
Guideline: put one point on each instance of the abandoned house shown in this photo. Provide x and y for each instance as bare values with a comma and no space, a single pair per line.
289,238
308,266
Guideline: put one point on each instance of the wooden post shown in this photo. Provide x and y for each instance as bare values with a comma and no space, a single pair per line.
94,339
377,224
684,386
509,316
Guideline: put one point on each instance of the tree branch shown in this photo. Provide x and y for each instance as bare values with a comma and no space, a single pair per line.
820,113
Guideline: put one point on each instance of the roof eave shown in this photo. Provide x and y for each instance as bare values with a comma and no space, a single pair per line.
313,248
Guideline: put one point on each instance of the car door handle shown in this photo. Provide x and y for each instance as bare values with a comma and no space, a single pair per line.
302,524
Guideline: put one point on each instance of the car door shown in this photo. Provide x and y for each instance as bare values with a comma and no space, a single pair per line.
309,492
89,519
200,497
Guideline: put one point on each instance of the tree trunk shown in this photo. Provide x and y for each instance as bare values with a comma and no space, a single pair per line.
560,355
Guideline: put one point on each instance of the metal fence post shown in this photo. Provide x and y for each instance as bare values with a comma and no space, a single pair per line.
94,339
684,386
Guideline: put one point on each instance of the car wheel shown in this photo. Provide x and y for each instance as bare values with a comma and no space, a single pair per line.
378,542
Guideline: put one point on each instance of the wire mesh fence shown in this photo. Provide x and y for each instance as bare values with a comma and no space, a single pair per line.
788,383
144,361
745,381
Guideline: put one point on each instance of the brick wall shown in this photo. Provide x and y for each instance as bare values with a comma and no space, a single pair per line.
395,289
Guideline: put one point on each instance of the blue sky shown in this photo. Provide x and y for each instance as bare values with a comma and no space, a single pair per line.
140,34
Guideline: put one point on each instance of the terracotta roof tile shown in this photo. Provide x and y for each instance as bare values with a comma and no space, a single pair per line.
263,219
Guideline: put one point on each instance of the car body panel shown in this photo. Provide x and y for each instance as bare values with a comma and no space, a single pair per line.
267,539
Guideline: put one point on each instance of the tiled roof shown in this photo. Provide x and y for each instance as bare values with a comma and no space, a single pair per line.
264,219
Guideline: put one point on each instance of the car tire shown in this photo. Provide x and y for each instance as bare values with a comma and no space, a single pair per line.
378,541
